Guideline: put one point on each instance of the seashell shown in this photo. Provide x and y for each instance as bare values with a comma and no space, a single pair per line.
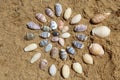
63,54
45,34
65,35
58,9
49,12
40,17
96,49
87,58
102,31
81,37
77,67
29,36
54,52
80,27
30,47
35,57
65,29
48,47
32,25
53,25
60,24
61,41
43,64
71,50
76,19
65,71
78,44
55,39
46,28
55,33
44,43
98,18
67,13
52,70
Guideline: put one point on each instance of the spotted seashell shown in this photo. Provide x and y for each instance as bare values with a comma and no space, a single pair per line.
45,34
81,37
35,57
40,17
43,64
71,50
65,29
52,70
58,9
76,19
53,25
46,28
61,41
32,25
55,39
54,52
65,35
77,67
78,44
29,36
65,71
49,12
48,47
44,43
30,47
67,13
60,25
98,18
80,27
63,54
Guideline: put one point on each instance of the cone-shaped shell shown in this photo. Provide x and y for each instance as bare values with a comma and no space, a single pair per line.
87,58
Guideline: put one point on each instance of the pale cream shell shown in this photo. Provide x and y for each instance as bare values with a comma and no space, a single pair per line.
87,58
35,57
30,47
77,67
67,13
65,71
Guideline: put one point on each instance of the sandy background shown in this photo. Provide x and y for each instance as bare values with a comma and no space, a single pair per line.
14,62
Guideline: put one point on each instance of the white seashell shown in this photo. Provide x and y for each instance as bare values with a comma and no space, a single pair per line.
35,57
65,29
76,19
65,71
102,31
87,58
96,49
77,67
48,47
67,13
61,41
41,17
30,47
52,70
58,9
53,25
65,35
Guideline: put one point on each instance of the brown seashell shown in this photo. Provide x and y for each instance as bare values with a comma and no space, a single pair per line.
54,52
60,24
43,64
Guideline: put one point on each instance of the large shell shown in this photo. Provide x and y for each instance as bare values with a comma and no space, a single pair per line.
78,44
65,35
81,37
54,52
65,71
46,28
40,17
63,54
48,47
61,41
71,50
35,57
52,70
80,27
30,47
45,34
49,12
67,13
29,36
77,67
32,25
87,58
43,64
53,25
44,43
76,19
58,9
96,49
102,31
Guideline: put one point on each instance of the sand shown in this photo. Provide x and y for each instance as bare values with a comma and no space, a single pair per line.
15,63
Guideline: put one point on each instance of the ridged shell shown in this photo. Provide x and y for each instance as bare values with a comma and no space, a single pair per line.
65,71
43,64
52,70
65,35
29,36
87,58
53,25
46,28
49,12
54,52
77,67
61,41
81,37
63,54
32,25
48,47
67,13
76,19
35,57
80,27
45,34
40,17
44,43
58,9
30,47
71,50
55,39
78,44
65,29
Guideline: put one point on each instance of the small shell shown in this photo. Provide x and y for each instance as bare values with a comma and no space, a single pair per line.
63,54
32,25
58,9
71,50
98,18
49,12
78,44
48,47
29,36
52,70
44,43
54,52
65,71
65,29
96,49
77,67
65,35
45,34
46,28
61,41
81,37
55,33
30,47
87,58
53,25
60,24
35,57
55,39
102,31
76,19
40,17
67,13
80,27
43,64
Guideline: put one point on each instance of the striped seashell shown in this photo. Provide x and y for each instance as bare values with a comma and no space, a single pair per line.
81,37
78,44
40,17
71,50
80,27
44,34
63,54
44,43
32,25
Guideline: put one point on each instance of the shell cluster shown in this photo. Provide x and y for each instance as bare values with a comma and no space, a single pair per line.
57,32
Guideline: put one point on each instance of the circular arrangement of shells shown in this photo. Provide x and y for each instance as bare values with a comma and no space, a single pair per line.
94,48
